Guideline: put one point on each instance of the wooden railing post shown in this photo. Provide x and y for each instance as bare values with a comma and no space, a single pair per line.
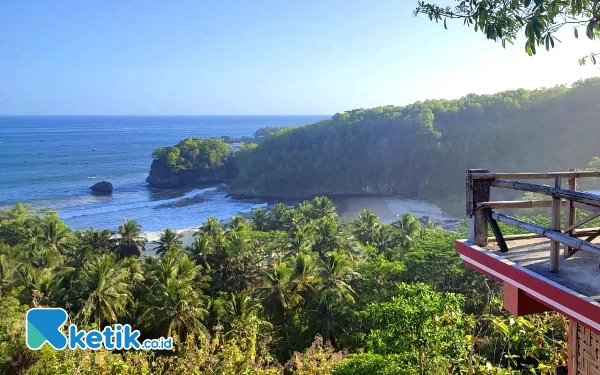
555,245
477,190
570,212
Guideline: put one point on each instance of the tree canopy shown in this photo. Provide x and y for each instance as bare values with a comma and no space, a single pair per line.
537,20
289,291
194,154
422,149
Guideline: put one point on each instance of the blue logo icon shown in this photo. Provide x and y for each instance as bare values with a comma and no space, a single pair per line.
43,326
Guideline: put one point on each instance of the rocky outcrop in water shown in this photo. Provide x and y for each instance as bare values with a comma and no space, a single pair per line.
102,187
162,176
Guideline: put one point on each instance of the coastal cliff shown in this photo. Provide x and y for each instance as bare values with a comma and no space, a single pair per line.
162,176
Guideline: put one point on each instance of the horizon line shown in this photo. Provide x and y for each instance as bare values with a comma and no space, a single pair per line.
162,115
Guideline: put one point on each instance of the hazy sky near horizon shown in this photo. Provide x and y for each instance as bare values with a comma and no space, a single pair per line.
253,57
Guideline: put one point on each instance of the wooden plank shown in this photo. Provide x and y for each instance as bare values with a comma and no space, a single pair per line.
514,204
583,206
570,214
583,221
585,232
548,233
470,204
555,245
533,204
477,191
535,176
589,239
496,230
577,196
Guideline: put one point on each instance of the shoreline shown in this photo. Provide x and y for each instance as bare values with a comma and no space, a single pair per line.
389,208
386,208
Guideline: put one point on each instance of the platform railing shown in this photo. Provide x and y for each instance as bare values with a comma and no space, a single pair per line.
481,210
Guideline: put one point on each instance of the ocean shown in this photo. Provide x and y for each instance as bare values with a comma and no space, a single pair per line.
49,162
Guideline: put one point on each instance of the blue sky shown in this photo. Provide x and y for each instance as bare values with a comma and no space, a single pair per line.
252,57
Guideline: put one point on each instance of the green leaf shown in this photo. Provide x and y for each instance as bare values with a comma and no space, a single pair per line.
576,33
589,31
537,28
527,3
445,27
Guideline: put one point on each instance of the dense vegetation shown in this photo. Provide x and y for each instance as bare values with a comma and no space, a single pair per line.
194,154
287,291
422,150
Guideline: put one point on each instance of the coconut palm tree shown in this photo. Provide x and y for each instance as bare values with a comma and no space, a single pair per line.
38,284
408,229
168,240
306,209
323,207
9,263
276,215
337,275
384,239
212,227
299,242
53,233
305,276
366,226
292,221
278,295
46,258
130,241
260,219
232,264
87,244
200,249
214,231
174,303
239,222
324,320
105,289
240,308
16,224
98,241
327,236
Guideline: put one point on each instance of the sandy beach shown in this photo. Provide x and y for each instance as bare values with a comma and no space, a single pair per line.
389,208
152,237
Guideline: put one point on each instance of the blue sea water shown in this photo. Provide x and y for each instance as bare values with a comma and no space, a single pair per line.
50,162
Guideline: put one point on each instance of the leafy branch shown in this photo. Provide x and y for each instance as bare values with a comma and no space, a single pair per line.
538,20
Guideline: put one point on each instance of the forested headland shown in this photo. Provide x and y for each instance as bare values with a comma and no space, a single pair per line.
290,291
422,150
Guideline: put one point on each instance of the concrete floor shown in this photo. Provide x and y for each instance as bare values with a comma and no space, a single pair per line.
580,273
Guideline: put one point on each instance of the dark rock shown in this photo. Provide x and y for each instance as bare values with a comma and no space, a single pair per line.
102,187
162,176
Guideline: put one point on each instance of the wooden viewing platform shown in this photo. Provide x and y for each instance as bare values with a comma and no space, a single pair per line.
535,276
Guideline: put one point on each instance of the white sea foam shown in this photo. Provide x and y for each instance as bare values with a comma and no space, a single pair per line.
130,206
